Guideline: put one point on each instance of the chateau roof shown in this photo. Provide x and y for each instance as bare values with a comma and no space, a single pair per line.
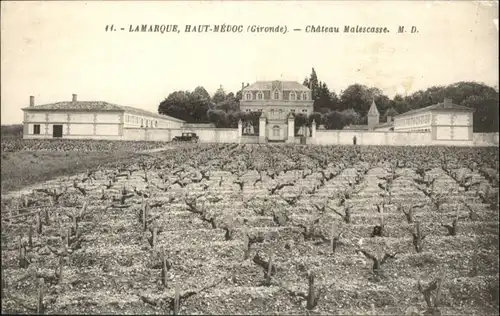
281,85
98,106
373,110
77,106
439,106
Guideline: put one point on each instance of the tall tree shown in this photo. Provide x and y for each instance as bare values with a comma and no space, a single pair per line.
219,96
322,101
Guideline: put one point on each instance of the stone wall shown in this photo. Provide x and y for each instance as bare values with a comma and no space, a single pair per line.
389,138
206,135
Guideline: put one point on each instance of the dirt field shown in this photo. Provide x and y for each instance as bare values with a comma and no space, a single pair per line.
235,229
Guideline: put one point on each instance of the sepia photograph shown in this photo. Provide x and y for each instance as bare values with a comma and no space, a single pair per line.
250,157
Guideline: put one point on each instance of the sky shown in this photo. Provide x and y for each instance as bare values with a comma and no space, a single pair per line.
54,49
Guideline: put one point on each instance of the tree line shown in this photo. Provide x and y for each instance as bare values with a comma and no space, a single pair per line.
333,110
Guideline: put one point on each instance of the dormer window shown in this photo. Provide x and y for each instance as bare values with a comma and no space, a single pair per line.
260,95
304,95
276,95
293,96
248,96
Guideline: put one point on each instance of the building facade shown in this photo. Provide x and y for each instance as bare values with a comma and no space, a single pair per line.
277,101
88,120
445,121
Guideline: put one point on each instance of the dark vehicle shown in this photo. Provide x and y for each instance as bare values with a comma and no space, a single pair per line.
187,137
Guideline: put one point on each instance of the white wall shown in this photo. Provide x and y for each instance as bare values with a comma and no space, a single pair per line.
107,129
134,120
418,121
35,117
84,117
109,117
81,129
345,137
206,135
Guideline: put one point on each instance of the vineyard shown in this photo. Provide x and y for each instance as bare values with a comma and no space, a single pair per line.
19,144
251,229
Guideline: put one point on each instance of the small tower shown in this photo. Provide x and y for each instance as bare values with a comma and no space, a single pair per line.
373,116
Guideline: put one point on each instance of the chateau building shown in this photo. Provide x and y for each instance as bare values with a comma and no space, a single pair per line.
277,101
88,120
445,121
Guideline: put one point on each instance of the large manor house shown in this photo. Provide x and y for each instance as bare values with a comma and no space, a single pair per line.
277,101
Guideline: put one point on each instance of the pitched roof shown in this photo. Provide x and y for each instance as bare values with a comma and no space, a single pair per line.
269,85
77,106
373,111
97,106
439,106
386,124
137,111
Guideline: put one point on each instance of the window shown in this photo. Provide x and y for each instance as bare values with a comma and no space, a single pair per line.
247,110
276,95
260,95
293,96
292,110
156,123
248,129
142,122
304,111
276,130
36,129
248,96
304,95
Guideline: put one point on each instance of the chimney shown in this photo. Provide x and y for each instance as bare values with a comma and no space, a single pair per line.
242,86
74,97
447,103
389,118
32,100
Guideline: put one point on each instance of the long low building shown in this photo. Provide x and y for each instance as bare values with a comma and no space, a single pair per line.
444,120
89,120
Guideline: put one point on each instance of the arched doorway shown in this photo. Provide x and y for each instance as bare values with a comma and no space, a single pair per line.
276,131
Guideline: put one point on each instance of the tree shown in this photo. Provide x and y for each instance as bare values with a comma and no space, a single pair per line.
316,117
299,121
322,101
176,105
332,120
201,94
219,96
230,104
218,117
390,112
350,117
400,104
252,118
312,83
191,107
357,97
485,117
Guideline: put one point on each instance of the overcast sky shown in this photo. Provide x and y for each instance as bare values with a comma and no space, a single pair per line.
54,49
